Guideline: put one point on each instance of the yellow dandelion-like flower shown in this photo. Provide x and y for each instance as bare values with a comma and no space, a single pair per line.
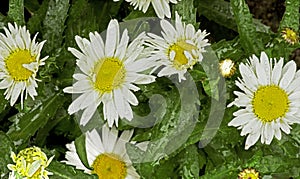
227,68
29,163
290,36
249,173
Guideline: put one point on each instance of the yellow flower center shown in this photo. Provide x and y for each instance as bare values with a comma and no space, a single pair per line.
29,163
109,166
290,36
270,103
14,64
180,60
249,174
227,68
110,74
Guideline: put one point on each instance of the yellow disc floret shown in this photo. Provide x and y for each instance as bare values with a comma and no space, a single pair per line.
31,163
109,166
270,103
110,74
249,174
180,59
290,36
14,64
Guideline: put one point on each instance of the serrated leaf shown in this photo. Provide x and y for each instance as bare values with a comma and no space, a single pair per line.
187,11
89,16
189,164
54,24
295,134
218,11
228,49
16,11
6,147
165,168
64,171
221,12
174,127
26,124
291,15
247,31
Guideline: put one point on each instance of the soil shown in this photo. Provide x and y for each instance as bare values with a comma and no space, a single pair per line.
269,11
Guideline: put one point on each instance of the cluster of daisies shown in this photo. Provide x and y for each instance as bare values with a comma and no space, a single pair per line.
109,72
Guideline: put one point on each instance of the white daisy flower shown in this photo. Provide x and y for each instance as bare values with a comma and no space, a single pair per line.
19,63
180,48
108,72
270,99
161,7
106,154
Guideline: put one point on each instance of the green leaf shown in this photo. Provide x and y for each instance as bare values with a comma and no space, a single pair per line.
165,168
228,49
291,15
42,134
137,14
189,163
187,11
173,125
220,12
31,5
3,21
3,102
222,172
34,23
16,11
64,171
295,134
247,31
81,150
26,124
89,16
6,147
54,24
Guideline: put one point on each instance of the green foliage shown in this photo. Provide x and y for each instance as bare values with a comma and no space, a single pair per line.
26,124
54,24
190,162
16,11
187,11
6,147
221,12
291,15
186,124
34,23
80,148
246,28
63,171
